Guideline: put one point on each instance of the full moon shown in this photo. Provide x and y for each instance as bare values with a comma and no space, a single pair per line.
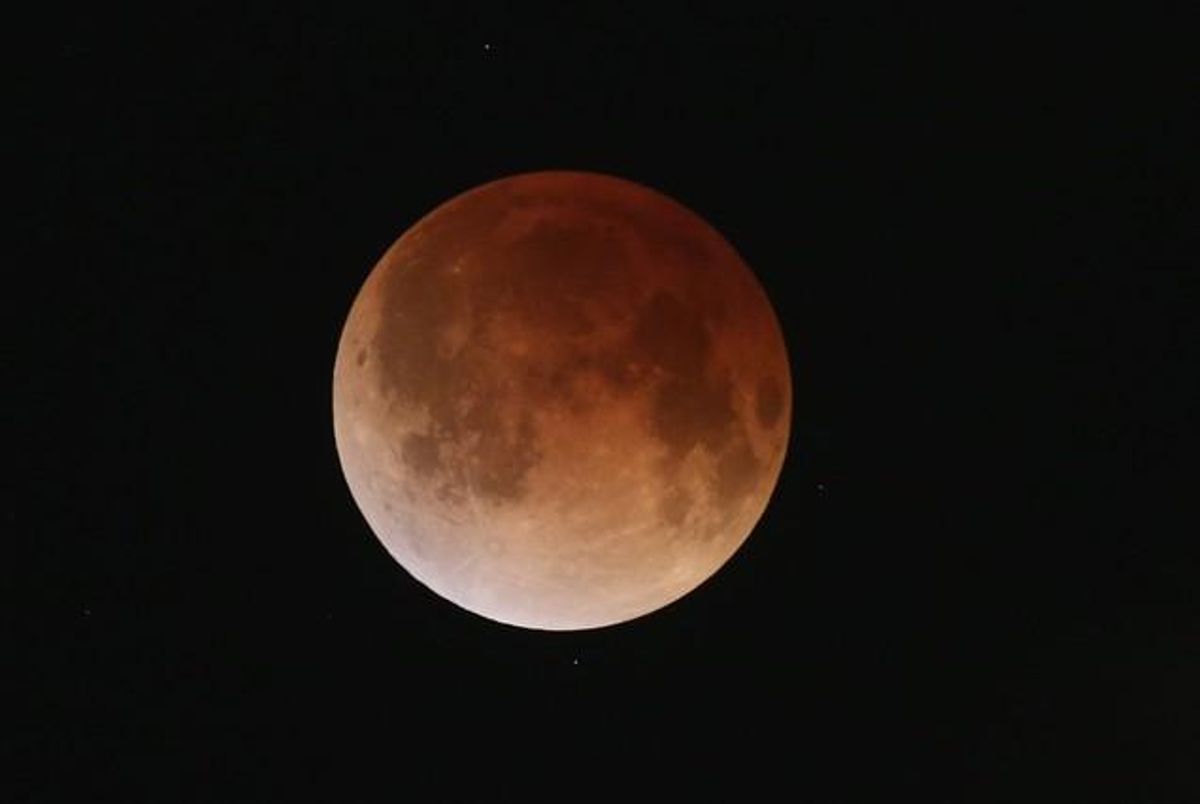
561,400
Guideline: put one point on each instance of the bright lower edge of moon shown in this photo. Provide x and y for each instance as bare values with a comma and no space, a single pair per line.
561,400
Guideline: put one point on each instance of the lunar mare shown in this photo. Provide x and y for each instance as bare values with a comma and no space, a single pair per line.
561,400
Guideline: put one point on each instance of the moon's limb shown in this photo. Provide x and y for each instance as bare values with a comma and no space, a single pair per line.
561,400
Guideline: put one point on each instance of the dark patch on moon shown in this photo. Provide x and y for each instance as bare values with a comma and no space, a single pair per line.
420,452
416,306
551,276
768,401
553,383
688,408
500,464
687,411
450,495
495,456
737,471
671,336
463,394
675,505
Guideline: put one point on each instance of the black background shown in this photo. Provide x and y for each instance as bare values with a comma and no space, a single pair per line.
976,581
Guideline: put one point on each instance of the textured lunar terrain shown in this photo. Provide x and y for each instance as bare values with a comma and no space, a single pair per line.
561,400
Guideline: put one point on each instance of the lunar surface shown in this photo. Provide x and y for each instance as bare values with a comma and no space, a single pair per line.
561,400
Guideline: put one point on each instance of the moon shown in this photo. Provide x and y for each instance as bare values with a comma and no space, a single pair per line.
561,400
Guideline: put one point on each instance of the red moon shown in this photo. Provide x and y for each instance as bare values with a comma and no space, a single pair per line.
561,400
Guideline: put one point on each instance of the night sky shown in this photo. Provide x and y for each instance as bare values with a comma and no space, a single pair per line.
977,579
